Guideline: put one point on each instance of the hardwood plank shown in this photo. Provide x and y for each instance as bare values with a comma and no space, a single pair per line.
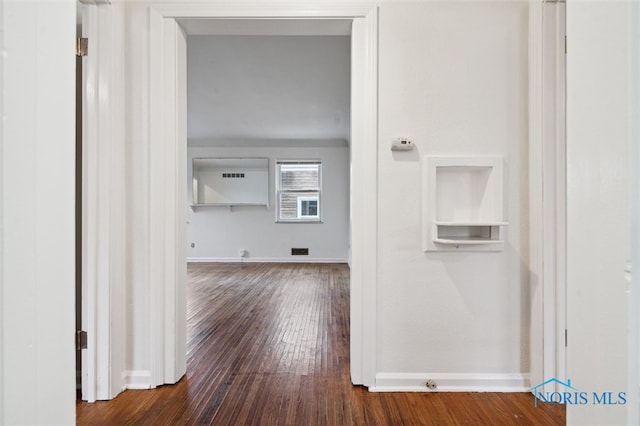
268,344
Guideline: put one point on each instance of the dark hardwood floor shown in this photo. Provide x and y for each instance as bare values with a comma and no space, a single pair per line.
268,344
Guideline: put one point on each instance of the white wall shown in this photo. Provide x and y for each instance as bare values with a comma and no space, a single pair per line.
268,87
598,150
634,235
453,76
219,232
452,90
37,379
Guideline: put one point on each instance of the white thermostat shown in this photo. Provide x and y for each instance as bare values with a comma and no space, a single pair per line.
401,144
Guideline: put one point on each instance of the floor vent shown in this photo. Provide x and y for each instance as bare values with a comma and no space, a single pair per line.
299,252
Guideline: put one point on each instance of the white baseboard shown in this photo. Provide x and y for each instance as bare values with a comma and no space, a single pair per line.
264,260
137,379
451,382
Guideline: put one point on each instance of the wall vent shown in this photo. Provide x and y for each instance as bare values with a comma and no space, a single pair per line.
232,175
299,252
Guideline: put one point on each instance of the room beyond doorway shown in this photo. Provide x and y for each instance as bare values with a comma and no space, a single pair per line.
270,90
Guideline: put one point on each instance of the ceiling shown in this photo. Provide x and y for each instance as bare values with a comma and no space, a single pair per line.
269,27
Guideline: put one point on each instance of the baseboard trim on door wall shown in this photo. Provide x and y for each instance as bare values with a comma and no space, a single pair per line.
265,260
137,379
451,382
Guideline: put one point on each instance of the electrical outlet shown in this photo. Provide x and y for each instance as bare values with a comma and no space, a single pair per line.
242,252
431,384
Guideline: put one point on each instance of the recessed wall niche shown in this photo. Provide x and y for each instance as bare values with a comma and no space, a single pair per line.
230,182
463,204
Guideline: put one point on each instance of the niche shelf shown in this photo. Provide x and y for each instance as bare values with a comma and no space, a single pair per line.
230,182
463,204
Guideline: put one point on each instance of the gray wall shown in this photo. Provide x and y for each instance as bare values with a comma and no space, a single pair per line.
219,232
281,97
268,87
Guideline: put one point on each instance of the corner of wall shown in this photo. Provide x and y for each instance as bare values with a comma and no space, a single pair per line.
2,420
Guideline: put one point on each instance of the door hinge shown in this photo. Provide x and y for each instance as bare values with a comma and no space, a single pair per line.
82,46
565,45
81,340
566,339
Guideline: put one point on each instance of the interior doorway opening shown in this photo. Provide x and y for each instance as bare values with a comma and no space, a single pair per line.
261,93
159,266
363,153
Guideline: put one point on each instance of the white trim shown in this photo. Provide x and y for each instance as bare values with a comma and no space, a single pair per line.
364,199
115,119
535,190
103,204
181,196
302,259
175,168
633,416
163,214
89,212
451,382
156,210
560,186
137,379
2,240
284,9
167,170
547,171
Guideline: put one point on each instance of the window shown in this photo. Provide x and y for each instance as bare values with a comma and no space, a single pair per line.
307,207
298,191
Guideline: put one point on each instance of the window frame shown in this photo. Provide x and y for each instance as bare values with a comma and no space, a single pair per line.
309,195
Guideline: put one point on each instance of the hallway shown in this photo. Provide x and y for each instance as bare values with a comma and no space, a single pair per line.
268,344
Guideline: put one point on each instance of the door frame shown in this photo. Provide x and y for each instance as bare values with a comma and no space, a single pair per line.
547,192
633,416
167,171
103,221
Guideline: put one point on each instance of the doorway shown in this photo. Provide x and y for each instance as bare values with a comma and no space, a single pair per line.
167,128
147,349
261,94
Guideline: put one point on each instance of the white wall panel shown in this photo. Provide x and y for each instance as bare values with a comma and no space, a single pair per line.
38,164
598,149
453,78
